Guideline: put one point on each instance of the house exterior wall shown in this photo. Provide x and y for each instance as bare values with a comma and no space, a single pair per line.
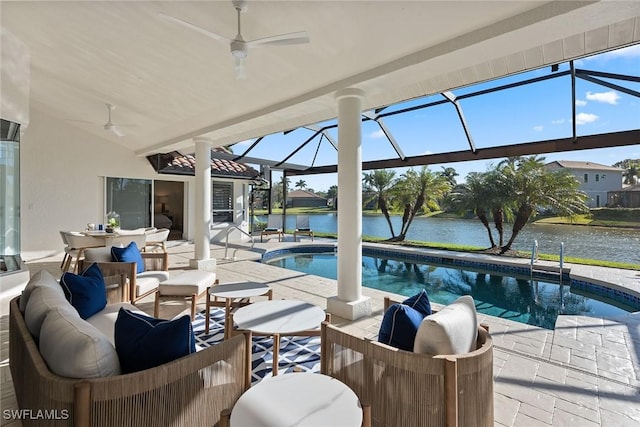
597,184
63,172
306,202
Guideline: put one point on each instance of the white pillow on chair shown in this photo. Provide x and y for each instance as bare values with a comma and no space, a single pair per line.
452,330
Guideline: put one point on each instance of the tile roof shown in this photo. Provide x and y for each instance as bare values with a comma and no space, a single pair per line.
570,164
175,163
303,194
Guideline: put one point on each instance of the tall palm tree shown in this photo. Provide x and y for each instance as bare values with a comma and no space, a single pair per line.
535,187
378,184
419,191
301,184
473,196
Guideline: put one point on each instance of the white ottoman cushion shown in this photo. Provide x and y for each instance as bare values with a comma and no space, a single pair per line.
187,283
43,299
452,330
75,349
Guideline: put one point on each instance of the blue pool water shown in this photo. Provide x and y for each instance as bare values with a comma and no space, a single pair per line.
516,297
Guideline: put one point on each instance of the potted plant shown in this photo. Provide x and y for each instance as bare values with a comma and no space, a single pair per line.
113,222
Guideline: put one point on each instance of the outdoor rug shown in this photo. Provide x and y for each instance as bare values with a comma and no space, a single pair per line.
300,352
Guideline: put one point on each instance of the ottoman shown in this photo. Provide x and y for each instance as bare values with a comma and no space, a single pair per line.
190,284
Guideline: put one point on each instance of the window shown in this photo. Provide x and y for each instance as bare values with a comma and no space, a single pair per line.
131,199
9,196
222,202
597,177
603,176
586,177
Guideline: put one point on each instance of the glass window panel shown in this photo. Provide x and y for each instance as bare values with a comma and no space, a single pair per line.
222,202
131,199
10,196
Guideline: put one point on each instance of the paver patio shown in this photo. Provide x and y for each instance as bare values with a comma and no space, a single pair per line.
584,373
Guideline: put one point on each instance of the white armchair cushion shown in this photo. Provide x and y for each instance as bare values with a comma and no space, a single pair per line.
452,330
145,284
102,254
75,349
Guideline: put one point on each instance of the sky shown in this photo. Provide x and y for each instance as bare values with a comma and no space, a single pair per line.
533,112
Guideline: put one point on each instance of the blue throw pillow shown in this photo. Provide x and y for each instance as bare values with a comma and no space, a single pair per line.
144,342
399,326
86,292
420,302
131,253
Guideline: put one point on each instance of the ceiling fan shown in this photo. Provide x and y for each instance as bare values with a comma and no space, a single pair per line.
238,45
109,126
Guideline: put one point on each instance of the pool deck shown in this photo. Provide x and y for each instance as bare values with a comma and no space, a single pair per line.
586,372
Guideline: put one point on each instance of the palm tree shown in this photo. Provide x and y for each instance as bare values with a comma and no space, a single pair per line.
425,189
534,187
378,184
301,184
278,191
450,174
473,196
631,174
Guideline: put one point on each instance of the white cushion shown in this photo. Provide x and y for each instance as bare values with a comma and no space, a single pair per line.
41,278
43,299
73,348
158,274
187,283
102,254
105,319
452,330
146,284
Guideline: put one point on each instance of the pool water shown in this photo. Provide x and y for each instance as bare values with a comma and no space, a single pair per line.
518,298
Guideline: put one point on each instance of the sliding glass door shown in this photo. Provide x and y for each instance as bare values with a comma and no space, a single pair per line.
131,199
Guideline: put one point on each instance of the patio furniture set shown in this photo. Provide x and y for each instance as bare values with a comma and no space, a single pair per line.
82,348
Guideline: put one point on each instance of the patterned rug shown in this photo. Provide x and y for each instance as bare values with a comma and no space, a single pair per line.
300,352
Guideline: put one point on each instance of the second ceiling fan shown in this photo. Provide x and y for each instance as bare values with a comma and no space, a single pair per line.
238,45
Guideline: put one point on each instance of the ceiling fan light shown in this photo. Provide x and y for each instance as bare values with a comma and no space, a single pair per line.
239,68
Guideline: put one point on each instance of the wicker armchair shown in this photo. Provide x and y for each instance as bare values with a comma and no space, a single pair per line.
156,266
410,389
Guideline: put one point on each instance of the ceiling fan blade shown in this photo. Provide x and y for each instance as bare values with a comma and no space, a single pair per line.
115,129
300,37
194,28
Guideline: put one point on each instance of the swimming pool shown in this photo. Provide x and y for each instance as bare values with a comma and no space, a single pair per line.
510,295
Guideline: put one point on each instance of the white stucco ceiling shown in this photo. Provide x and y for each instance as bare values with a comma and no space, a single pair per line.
171,84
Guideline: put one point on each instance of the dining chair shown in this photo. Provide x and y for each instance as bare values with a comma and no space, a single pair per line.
63,235
76,244
156,239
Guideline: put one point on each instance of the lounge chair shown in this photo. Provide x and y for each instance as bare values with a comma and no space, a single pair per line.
274,226
302,227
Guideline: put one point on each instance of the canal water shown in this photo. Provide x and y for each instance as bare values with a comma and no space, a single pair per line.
601,243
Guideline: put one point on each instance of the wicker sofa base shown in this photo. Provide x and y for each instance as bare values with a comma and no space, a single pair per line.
189,391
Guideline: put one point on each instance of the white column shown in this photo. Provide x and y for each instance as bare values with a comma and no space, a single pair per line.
202,230
349,303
